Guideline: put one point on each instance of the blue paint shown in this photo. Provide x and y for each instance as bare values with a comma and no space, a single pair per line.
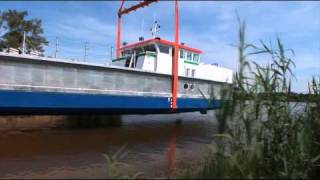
23,102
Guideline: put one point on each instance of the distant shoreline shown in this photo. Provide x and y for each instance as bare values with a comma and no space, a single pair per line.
292,97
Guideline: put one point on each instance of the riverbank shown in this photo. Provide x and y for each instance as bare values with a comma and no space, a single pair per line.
30,123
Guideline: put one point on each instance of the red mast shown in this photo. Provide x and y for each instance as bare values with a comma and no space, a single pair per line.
175,59
119,30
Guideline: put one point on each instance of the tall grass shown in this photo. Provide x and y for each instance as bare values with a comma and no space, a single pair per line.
261,133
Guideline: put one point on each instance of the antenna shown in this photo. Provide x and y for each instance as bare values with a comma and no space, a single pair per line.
24,43
142,23
57,47
85,51
111,53
155,29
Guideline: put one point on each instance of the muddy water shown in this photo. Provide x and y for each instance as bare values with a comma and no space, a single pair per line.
78,152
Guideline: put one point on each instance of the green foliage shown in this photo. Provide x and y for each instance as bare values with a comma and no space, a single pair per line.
1,22
12,25
266,136
314,86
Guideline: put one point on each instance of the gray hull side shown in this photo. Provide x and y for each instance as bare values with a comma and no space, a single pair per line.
34,74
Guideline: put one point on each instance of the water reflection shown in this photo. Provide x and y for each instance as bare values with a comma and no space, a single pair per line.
77,153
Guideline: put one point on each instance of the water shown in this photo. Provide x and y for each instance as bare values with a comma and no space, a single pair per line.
77,152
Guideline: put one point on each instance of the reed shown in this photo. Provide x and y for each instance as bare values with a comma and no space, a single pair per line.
117,169
261,134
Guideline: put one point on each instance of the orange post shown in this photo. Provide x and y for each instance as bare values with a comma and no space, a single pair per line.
119,37
119,31
175,60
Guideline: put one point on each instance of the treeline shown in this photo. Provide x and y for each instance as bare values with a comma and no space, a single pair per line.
15,28
291,96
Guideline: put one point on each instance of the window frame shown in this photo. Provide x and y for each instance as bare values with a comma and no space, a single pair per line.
193,73
182,53
145,48
189,53
195,55
160,46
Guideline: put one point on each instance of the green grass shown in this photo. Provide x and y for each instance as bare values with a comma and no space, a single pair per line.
266,136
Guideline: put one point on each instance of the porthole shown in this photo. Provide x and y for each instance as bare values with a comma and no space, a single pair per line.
191,86
185,86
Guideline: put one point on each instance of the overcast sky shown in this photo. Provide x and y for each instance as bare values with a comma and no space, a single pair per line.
207,25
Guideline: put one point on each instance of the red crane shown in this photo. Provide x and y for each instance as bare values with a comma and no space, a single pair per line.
123,11
142,4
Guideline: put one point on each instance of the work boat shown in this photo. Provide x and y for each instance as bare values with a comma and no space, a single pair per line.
139,81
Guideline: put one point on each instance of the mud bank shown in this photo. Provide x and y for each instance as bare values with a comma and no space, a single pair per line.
25,123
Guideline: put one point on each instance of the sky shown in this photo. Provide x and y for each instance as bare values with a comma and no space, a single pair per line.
207,25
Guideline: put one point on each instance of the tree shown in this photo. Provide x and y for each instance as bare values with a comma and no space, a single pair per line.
12,26
0,22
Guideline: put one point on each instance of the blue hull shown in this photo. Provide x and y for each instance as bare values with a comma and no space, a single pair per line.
36,103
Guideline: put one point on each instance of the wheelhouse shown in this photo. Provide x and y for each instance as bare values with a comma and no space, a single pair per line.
157,55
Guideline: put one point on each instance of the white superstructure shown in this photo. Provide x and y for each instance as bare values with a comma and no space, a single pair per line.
156,55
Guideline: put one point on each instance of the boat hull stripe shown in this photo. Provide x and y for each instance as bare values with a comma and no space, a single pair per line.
23,102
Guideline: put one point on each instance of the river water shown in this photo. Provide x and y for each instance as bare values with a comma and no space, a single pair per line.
78,152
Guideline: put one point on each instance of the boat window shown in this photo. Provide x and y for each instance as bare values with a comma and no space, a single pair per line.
185,86
126,53
196,57
187,72
193,73
164,49
181,54
151,48
127,63
138,50
189,56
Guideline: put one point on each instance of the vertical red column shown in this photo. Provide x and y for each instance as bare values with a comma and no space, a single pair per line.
175,60
119,37
119,30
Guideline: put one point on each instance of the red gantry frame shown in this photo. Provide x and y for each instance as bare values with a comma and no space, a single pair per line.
142,4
